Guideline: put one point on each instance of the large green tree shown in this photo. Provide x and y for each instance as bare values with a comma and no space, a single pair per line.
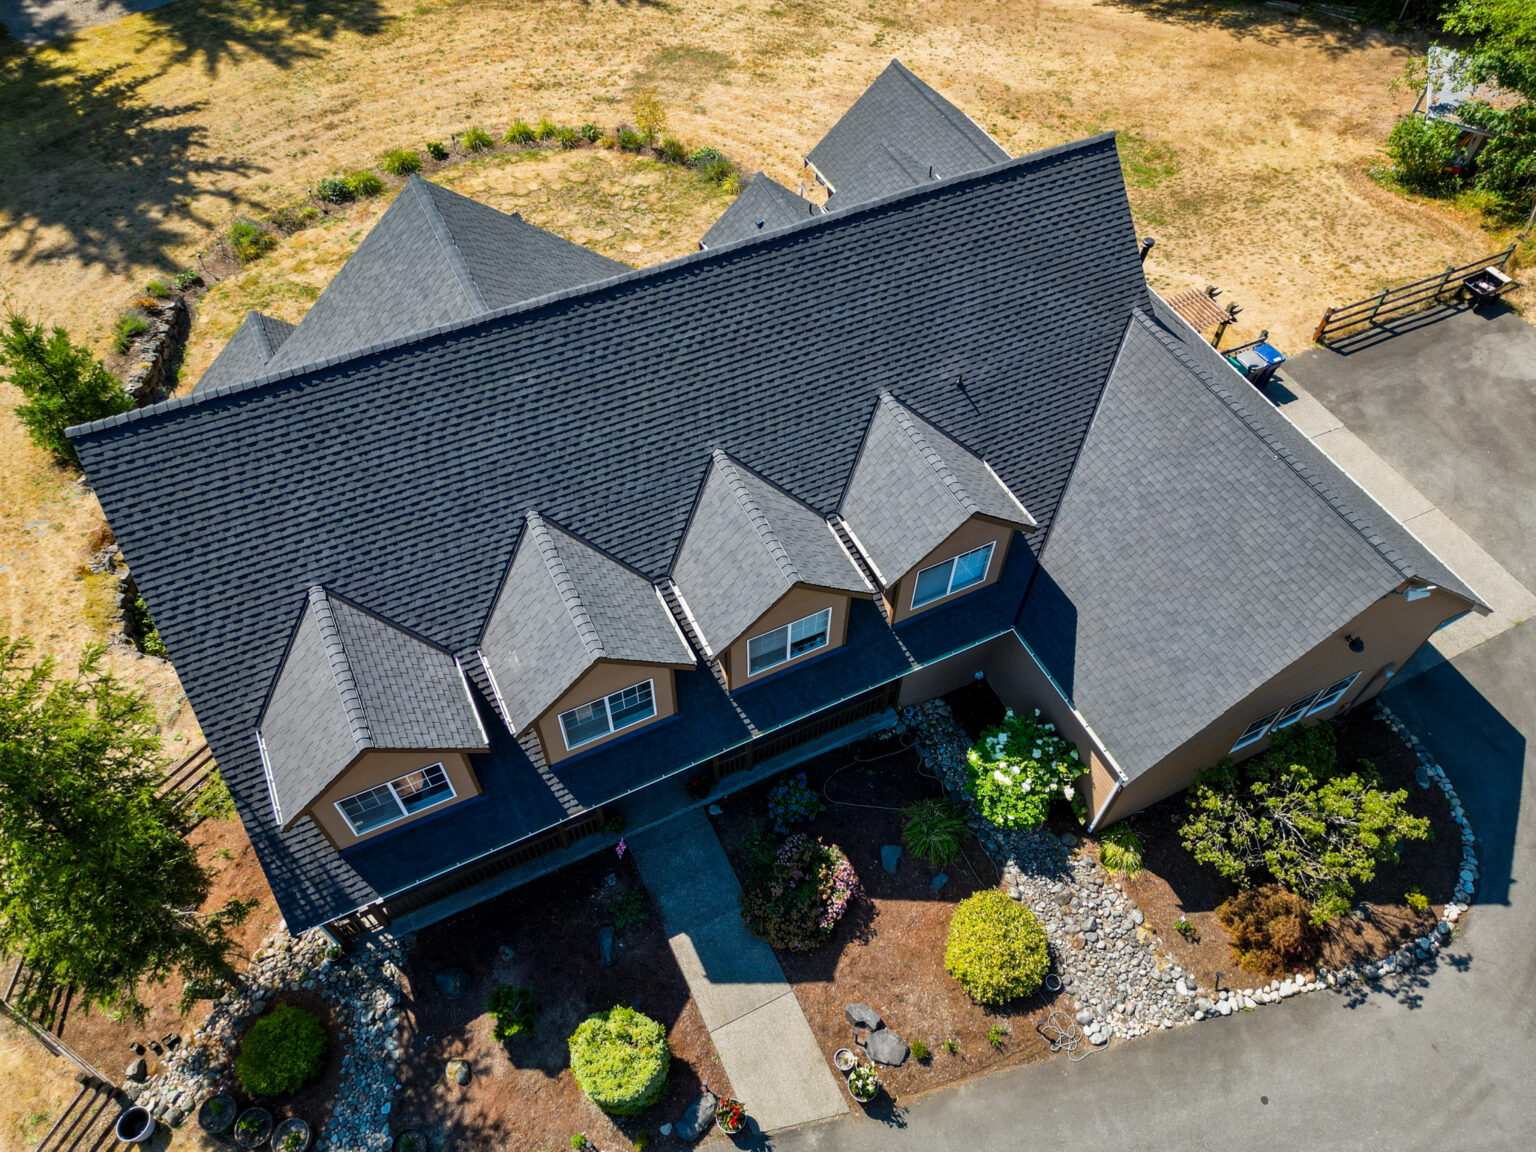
61,384
99,889
1503,42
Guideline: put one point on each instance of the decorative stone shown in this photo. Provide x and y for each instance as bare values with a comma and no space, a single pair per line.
453,983
698,1118
665,1129
862,1016
458,1071
885,1047
716,810
137,1070
605,945
505,952
938,882
890,855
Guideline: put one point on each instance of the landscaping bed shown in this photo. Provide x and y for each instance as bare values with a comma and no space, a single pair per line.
1173,884
888,950
545,937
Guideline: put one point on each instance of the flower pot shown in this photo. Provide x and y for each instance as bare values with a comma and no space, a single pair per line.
845,1060
283,1136
411,1141
217,1113
731,1115
863,1098
253,1128
135,1126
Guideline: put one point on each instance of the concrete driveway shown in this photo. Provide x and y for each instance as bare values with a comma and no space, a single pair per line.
1448,398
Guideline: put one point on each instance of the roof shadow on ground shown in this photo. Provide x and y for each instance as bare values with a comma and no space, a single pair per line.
1253,21
220,31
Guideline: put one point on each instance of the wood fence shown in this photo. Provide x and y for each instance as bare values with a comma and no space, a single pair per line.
1404,298
183,782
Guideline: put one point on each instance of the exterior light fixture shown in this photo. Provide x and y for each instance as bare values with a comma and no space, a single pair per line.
1356,644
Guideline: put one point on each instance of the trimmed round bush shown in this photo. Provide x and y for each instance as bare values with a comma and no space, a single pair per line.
282,1052
620,1060
997,949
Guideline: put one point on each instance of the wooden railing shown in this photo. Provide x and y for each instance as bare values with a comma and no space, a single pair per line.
1404,298
183,782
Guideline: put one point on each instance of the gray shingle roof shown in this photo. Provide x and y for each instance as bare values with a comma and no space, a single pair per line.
398,477
762,206
248,352
351,682
1189,561
899,133
913,486
435,257
563,607
747,544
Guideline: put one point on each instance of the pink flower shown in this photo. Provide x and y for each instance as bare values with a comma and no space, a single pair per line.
621,848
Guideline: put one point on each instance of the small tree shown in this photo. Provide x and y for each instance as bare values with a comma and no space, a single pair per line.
1420,151
649,113
99,890
61,384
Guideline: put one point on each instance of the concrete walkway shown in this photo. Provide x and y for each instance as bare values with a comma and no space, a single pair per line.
760,1034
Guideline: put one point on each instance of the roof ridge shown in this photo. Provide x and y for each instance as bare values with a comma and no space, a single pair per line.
261,333
840,219
565,584
341,668
756,516
907,422
948,109
447,241
1281,452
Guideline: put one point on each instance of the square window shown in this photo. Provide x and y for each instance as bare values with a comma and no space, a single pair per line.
371,809
951,576
419,791
809,634
632,705
1254,731
1331,695
932,583
971,568
767,650
585,722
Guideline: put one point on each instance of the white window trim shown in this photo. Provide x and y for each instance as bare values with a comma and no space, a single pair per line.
787,629
453,794
991,549
1288,717
1322,704
1315,704
608,714
1243,741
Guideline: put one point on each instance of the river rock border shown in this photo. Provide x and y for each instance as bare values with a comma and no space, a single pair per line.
1121,983
364,990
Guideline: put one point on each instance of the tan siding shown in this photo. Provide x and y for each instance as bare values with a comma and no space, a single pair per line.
374,768
1393,629
972,534
602,678
795,604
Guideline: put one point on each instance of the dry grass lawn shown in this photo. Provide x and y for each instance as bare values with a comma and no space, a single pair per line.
37,1088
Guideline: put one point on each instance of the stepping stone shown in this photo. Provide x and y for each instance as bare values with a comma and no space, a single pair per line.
890,855
698,1118
938,882
458,1071
605,945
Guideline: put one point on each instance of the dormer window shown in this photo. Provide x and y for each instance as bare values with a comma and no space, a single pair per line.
406,796
953,575
784,644
588,722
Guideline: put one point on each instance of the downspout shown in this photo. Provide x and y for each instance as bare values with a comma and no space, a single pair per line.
1108,800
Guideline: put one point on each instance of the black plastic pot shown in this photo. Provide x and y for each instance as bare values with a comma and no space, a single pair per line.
284,1130
217,1113
135,1126
411,1141
253,1128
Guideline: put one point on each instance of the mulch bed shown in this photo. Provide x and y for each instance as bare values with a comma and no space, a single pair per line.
521,1094
1172,883
888,951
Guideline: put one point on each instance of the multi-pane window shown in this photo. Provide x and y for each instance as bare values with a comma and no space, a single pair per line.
953,575
1254,731
405,796
783,644
588,722
1295,710
1332,694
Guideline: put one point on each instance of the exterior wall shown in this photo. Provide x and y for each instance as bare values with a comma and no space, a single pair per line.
1393,630
795,604
374,768
602,678
972,534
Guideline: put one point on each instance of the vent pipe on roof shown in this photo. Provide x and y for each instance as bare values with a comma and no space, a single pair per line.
759,221
1146,246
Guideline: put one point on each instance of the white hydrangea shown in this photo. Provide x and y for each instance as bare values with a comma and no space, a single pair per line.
1000,778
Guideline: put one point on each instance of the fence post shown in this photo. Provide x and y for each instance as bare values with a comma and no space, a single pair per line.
1504,256
1380,300
1322,326
1444,280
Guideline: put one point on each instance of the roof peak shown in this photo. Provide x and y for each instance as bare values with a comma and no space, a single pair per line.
341,667
543,536
909,423
755,514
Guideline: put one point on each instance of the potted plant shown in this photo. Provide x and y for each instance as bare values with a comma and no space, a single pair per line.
731,1115
845,1060
253,1127
410,1141
135,1126
217,1113
291,1135
863,1083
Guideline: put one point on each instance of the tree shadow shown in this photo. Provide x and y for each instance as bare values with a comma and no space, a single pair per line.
98,173
1252,20
217,31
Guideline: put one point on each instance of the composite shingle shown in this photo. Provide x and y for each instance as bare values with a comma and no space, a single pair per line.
248,352
763,206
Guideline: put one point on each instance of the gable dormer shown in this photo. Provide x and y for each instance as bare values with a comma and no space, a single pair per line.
932,517
578,647
366,726
764,578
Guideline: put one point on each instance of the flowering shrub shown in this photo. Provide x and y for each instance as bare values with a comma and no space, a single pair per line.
796,898
863,1082
792,802
1018,767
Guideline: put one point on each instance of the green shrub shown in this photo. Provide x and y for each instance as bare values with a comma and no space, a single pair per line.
402,161
250,240
630,140
477,140
620,1059
795,897
138,625
1271,930
334,190
932,830
702,158
568,138
672,150
547,129
920,1051
1421,150
159,289
627,908
437,150
650,114
188,278
996,1035
131,324
793,801
61,384
1120,850
364,184
521,132
1506,167
721,172
214,801
1416,900
513,1010
591,133
1018,768
996,949
281,1053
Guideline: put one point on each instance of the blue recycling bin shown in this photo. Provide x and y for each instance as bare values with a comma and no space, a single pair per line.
1258,363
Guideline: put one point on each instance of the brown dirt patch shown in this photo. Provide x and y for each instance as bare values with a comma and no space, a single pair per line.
522,1094
888,951
1172,884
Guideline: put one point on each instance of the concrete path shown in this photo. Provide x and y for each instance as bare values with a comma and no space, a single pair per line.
760,1034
